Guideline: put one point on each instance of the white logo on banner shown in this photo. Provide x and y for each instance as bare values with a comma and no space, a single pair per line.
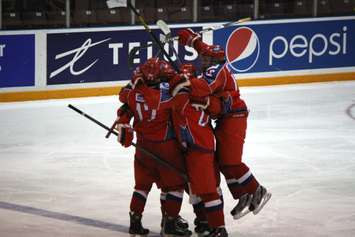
2,54
78,53
317,45
2,47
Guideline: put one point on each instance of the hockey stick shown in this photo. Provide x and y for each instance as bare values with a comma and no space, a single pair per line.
225,25
164,40
133,53
123,107
121,3
217,27
167,35
151,155
168,39
111,130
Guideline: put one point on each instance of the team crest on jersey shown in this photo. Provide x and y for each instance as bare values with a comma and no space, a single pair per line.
210,73
164,92
139,98
164,86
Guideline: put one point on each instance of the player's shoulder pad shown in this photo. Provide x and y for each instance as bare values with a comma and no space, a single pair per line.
211,73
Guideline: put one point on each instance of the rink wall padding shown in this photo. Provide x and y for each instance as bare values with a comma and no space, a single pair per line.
105,91
280,80
58,94
68,63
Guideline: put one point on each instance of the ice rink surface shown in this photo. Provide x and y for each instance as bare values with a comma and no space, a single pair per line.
59,176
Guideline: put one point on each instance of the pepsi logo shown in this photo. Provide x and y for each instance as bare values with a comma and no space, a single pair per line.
242,49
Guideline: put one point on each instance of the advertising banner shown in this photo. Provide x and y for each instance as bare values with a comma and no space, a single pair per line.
17,60
102,56
303,45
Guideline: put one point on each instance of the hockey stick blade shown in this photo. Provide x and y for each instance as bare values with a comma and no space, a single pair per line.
164,27
116,3
167,37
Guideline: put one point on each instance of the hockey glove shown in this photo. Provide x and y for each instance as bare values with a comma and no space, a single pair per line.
137,79
125,134
188,37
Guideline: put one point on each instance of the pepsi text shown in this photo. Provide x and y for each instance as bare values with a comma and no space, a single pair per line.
300,46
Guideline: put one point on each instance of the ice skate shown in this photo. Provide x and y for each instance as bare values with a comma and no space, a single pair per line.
181,223
136,228
259,199
242,207
173,228
218,232
202,228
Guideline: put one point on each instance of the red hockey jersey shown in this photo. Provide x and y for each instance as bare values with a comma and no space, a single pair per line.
151,109
218,80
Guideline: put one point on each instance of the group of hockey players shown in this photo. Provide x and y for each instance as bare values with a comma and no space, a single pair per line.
172,113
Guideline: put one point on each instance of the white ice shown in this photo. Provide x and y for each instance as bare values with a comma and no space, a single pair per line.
59,176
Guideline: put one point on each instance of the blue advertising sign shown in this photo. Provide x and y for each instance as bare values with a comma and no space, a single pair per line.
101,56
289,46
17,60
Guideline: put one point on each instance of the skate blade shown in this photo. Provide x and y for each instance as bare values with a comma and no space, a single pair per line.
169,235
266,198
204,234
241,214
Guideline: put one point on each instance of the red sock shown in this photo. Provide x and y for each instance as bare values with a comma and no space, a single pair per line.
138,200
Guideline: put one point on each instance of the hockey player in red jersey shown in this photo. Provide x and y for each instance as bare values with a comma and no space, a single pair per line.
231,123
149,102
196,136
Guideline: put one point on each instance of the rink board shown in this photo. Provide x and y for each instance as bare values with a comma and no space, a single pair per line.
44,64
